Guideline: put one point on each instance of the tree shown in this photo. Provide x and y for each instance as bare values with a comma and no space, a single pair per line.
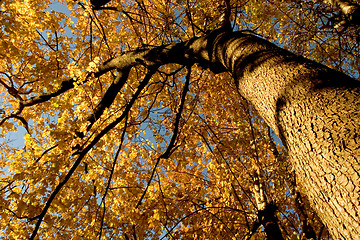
156,120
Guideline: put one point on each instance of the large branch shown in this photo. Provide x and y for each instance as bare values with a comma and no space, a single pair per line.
109,96
185,53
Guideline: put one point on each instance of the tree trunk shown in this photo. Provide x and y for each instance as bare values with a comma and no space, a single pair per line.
314,110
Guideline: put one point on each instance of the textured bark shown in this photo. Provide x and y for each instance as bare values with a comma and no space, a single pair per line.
315,111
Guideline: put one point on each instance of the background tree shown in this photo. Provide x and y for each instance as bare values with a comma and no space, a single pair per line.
128,138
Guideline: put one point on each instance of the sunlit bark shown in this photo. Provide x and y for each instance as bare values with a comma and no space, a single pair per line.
315,111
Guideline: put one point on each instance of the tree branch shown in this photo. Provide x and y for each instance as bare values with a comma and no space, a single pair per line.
111,174
171,145
109,96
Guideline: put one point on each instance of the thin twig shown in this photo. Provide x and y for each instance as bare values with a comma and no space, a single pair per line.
111,174
171,145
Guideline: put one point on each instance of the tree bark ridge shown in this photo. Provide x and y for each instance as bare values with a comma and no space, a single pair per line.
316,113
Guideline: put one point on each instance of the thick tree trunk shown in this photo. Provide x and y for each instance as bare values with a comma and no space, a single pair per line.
316,113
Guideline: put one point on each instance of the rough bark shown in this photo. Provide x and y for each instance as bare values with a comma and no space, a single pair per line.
315,111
